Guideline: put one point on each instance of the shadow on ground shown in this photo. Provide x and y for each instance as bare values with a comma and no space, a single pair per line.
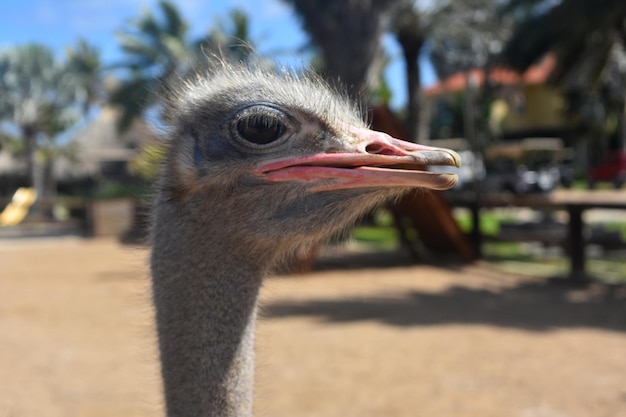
537,305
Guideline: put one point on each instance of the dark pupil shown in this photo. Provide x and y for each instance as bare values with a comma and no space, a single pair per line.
260,129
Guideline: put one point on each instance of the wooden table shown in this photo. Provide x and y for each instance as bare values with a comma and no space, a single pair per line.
575,202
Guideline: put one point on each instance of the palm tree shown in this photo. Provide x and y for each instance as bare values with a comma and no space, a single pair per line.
83,69
230,38
410,32
154,49
348,34
157,47
41,97
28,78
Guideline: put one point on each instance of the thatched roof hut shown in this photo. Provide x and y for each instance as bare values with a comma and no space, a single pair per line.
98,152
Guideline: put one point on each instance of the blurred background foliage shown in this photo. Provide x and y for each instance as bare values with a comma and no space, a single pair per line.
59,114
42,96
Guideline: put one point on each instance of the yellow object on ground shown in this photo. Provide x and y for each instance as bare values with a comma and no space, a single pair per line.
18,208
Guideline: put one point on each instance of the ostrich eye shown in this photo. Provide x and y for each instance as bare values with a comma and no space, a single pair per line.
261,129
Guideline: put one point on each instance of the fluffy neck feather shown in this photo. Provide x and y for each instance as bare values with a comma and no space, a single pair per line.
205,299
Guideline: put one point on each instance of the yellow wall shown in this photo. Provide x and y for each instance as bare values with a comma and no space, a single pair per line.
543,108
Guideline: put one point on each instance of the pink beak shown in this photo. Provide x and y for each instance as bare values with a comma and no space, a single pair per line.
373,159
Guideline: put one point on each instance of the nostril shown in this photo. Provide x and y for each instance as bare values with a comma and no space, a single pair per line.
375,148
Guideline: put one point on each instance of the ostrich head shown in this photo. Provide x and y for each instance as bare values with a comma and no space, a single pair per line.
282,161
260,165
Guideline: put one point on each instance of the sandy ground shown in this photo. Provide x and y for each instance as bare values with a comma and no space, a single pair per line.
77,340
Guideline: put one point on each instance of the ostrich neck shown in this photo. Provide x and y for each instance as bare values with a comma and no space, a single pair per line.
205,296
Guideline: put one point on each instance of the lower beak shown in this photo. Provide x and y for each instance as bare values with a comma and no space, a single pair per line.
374,159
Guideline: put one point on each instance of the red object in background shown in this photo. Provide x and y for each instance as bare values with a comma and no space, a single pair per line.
612,169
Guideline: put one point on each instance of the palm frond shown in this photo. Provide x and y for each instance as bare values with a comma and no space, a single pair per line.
175,25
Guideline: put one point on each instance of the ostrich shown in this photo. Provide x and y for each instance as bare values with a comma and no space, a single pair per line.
261,165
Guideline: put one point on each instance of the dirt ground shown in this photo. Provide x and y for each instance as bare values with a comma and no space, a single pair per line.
77,340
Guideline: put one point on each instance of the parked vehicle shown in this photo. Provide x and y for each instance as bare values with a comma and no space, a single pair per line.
532,165
612,169
528,166
505,174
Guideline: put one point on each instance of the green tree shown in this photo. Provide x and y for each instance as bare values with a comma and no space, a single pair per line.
41,97
589,40
576,30
154,48
157,46
83,69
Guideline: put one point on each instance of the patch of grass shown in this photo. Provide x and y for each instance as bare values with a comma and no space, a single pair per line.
375,234
583,184
383,218
609,270
489,222
380,236
617,226
378,230
505,250
489,225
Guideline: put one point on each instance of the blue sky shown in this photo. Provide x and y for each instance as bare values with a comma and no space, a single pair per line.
59,23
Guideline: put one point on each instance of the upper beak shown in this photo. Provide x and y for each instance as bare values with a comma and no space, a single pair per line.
372,159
